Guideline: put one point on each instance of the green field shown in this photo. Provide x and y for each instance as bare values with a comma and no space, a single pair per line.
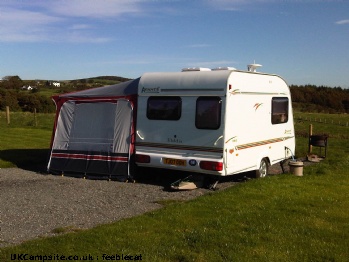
279,218
26,140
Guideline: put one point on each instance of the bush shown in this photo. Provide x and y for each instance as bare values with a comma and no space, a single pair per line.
26,102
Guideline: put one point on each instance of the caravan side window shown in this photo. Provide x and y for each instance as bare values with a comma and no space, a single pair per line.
279,110
164,108
208,112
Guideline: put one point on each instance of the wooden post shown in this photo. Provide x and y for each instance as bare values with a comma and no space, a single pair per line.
35,119
8,114
310,134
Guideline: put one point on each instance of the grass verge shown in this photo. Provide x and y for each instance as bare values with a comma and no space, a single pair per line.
25,141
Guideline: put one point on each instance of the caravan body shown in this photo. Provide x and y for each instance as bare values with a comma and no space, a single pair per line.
220,122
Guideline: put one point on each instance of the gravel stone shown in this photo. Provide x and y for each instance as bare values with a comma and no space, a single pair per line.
37,205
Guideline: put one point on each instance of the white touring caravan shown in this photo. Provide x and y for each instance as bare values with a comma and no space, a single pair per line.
219,122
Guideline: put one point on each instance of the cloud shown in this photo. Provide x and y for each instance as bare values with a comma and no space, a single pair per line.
342,22
233,5
238,5
24,25
56,21
31,27
80,27
93,8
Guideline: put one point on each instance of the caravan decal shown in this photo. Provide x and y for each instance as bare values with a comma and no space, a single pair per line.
233,138
257,105
181,147
237,91
233,92
174,140
261,143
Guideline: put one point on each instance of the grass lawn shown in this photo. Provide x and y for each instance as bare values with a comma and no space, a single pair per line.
26,140
279,218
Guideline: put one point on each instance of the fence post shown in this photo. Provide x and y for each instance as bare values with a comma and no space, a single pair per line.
310,134
35,119
8,114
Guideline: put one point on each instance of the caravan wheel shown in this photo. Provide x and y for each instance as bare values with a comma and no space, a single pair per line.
263,168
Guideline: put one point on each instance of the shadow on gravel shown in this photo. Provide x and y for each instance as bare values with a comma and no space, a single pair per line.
27,159
36,160
165,178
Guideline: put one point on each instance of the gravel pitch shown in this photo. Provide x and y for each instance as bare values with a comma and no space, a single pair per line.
34,205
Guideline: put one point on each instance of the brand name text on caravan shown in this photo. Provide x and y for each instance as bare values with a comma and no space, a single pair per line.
151,90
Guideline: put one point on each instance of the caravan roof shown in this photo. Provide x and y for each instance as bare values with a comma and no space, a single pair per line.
205,83
209,82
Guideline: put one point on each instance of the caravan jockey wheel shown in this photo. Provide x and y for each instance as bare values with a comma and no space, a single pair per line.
262,171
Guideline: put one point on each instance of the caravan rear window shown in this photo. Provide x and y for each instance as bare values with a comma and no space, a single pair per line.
164,108
279,108
208,112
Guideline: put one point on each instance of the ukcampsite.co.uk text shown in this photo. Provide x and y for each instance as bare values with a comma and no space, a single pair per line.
89,257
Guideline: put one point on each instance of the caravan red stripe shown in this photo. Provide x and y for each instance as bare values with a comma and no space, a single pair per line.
90,157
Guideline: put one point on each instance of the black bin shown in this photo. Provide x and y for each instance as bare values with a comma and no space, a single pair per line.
319,141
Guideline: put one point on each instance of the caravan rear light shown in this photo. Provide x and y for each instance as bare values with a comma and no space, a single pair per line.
142,158
210,165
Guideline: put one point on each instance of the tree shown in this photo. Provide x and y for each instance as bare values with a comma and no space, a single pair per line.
12,82
321,98
9,98
28,102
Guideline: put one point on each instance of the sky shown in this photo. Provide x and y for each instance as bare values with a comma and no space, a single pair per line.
304,41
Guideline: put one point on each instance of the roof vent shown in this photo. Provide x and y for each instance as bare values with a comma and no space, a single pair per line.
188,69
253,67
223,68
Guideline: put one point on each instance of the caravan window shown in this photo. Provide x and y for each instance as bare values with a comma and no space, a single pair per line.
279,108
208,112
164,108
